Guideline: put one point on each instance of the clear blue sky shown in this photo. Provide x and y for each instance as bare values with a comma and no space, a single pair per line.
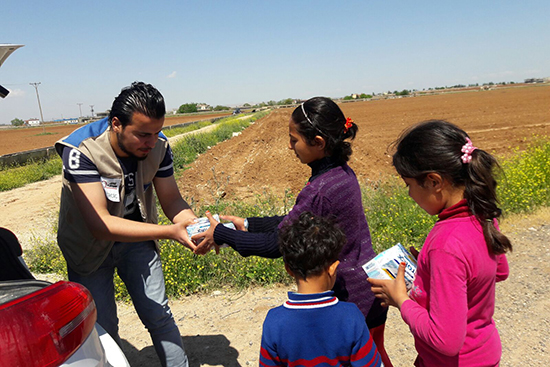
232,52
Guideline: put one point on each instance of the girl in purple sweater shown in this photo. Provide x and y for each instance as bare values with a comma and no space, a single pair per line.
450,307
318,132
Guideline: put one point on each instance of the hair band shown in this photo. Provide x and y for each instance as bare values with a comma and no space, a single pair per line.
467,149
305,114
308,120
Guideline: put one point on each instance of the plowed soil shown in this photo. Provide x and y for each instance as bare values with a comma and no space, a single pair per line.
259,159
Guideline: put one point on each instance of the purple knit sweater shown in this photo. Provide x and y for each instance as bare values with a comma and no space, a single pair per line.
336,194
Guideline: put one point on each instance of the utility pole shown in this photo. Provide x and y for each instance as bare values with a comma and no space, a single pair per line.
35,85
80,107
92,108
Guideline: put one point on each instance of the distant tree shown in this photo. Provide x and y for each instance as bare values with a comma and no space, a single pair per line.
17,122
363,96
221,108
246,105
347,98
188,108
284,102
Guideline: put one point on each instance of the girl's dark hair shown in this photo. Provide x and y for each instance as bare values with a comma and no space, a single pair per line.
435,146
139,97
327,121
310,244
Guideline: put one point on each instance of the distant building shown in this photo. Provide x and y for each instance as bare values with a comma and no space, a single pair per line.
101,115
32,122
534,80
203,107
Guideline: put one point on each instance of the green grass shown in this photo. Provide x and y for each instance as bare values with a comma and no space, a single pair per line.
170,132
393,217
15,176
525,184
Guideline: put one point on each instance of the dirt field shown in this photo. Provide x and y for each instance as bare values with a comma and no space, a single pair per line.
22,139
259,159
224,328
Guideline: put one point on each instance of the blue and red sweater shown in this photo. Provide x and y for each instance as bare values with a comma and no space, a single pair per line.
317,330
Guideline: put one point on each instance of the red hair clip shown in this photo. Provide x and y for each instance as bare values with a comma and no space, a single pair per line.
348,124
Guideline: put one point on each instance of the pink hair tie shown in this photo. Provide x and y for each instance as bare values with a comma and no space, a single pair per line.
467,149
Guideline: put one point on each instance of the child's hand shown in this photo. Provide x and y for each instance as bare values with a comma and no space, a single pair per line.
414,252
391,292
206,239
237,221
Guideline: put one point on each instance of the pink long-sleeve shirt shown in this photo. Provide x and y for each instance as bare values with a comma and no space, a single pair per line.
450,313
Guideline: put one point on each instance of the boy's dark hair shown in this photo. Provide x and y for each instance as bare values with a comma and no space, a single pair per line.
139,97
310,244
435,146
327,121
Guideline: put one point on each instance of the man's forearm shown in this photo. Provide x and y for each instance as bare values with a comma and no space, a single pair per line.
124,230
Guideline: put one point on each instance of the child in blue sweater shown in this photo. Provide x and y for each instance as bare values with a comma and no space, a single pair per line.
314,328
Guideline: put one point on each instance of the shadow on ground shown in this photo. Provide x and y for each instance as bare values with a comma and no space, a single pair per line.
213,350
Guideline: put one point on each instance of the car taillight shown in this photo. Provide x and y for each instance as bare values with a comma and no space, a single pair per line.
46,327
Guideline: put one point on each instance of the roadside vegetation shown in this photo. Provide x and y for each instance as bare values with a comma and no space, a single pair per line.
393,217
15,176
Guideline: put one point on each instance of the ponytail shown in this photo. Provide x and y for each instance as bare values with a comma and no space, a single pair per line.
480,193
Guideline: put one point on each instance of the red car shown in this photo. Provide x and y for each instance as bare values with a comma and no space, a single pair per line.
44,324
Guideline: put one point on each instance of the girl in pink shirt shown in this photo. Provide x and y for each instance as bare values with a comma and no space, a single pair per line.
450,307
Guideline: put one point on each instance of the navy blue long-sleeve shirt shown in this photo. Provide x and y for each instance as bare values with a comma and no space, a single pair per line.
332,191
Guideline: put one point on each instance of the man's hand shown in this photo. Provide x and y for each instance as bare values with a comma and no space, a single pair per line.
207,238
181,235
391,292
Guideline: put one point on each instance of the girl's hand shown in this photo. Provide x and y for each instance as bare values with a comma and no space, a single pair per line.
237,221
391,292
206,238
414,252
